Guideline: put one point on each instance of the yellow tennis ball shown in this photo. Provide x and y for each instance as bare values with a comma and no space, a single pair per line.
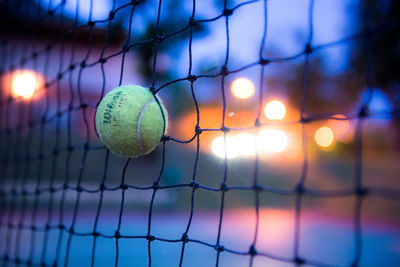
130,122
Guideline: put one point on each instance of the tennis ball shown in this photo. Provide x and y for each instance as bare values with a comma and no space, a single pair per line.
130,122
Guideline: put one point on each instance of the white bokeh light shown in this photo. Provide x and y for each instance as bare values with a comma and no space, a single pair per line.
218,147
272,140
24,84
275,110
245,144
242,88
268,141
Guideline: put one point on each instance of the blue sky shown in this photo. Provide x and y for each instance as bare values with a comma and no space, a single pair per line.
287,27
287,32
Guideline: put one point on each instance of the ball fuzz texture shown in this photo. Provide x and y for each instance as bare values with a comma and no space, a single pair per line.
130,122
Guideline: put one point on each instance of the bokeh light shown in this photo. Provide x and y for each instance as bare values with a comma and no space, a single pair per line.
218,147
24,84
324,136
245,144
272,140
275,110
242,88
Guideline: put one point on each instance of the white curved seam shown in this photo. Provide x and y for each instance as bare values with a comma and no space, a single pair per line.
139,135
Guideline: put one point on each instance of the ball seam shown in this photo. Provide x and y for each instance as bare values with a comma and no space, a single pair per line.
138,131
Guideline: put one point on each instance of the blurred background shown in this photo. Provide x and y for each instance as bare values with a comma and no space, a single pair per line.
325,99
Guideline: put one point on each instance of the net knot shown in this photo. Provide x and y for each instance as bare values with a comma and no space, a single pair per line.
224,71
304,119
123,186
83,64
29,263
71,230
55,151
102,60
79,189
35,55
52,189
153,90
300,189
61,227
308,49
102,187
111,15
257,188
125,48
150,238
158,38
224,187
252,250
219,248
192,78
72,67
227,12
47,227
363,113
194,185
299,261
70,148
117,235
135,2
86,146
50,12
17,261
192,22
49,47
91,23
24,193
198,130
264,61
362,191
185,238
165,138
155,186
225,129
257,123
95,234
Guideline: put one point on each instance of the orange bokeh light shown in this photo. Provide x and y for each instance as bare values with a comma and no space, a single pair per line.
23,84
324,136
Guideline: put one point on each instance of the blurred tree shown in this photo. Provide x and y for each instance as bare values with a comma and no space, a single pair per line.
342,92
175,16
385,51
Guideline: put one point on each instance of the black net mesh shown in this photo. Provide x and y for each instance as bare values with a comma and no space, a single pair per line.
67,201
